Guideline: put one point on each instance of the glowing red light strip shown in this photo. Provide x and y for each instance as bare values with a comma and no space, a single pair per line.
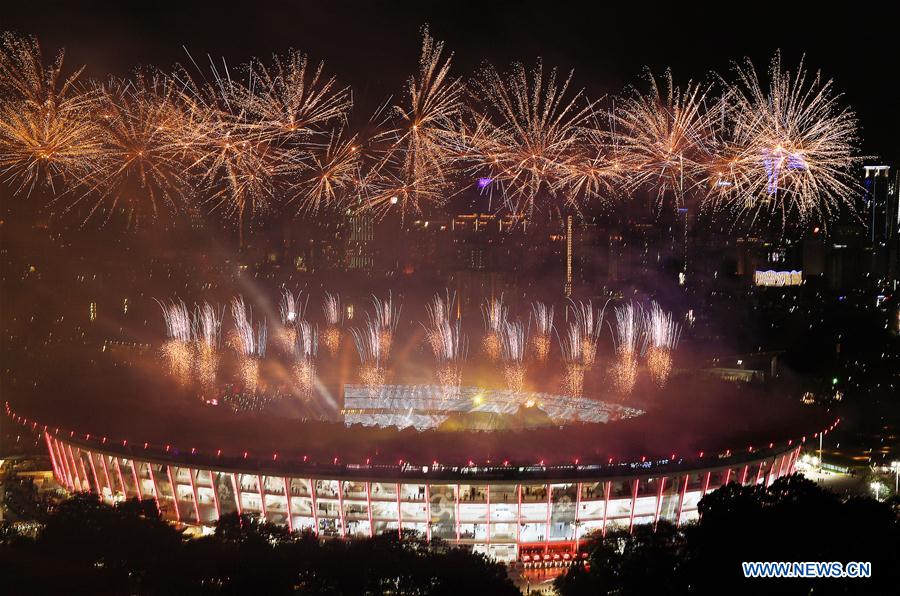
315,505
681,500
781,466
262,496
194,493
94,473
78,483
341,507
84,474
759,472
606,505
369,503
427,513
212,485
287,499
65,465
106,474
137,483
727,477
488,519
662,484
121,478
519,513
706,483
577,511
399,513
237,493
633,505
744,474
52,458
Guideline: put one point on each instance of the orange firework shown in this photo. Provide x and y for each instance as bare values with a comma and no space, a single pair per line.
46,133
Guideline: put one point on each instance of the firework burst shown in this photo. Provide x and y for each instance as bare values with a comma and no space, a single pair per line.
334,316
536,134
291,310
450,355
662,334
140,124
542,316
666,135
46,134
790,147
494,313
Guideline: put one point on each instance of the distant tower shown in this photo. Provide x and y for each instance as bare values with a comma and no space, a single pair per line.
881,210
359,242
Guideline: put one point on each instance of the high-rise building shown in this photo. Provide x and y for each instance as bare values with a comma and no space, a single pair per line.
881,211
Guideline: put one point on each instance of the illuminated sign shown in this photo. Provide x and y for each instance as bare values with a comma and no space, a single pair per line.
778,278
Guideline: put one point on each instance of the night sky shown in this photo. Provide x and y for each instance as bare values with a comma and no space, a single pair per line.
373,46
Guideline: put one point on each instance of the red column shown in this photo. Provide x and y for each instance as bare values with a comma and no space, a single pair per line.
457,514
487,492
137,482
662,485
106,475
681,500
74,468
369,504
121,478
236,487
341,508
194,492
606,506
706,483
84,473
399,513
744,474
156,488
427,512
633,505
94,474
65,465
262,496
518,514
577,511
549,506
315,504
171,485
212,485
287,498
52,458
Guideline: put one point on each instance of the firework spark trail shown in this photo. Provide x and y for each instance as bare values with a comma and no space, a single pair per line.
306,348
542,315
385,320
249,343
514,342
177,348
421,158
628,337
590,324
451,355
536,135
206,329
662,334
438,311
666,136
790,147
334,316
291,310
328,174
494,313
46,134
570,346
369,348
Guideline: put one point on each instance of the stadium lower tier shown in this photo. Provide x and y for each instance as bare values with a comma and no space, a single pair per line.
536,522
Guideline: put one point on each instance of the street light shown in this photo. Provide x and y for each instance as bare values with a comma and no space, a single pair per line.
876,486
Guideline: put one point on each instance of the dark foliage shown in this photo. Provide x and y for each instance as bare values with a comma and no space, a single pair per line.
87,547
792,520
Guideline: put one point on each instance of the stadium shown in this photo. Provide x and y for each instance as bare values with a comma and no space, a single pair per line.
526,485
